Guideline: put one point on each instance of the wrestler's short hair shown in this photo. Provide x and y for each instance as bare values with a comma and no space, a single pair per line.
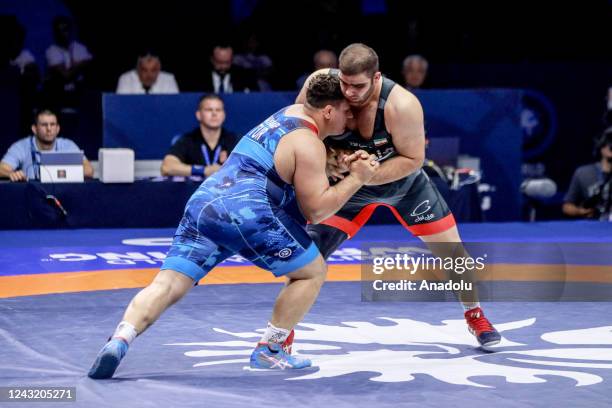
324,89
358,58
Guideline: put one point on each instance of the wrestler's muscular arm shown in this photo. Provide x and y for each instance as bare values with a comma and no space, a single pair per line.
404,121
316,198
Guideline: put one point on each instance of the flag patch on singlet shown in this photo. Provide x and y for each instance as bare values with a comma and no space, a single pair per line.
380,142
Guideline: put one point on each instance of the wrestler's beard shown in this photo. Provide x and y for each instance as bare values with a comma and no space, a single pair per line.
364,98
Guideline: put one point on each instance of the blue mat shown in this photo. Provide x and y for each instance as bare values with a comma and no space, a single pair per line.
367,354
36,252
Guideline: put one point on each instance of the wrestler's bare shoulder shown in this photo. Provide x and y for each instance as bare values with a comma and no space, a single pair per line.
401,100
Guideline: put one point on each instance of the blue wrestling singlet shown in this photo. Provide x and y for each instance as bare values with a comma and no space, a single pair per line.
242,209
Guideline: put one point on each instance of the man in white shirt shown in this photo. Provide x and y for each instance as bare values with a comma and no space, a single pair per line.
67,63
66,58
147,78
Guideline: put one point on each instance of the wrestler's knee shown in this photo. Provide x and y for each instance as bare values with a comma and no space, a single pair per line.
315,271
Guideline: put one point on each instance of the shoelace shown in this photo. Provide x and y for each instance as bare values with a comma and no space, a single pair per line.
479,323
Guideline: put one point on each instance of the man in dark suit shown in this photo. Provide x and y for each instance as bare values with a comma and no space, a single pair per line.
224,76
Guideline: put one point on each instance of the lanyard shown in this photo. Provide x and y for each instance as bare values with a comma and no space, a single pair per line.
36,157
207,157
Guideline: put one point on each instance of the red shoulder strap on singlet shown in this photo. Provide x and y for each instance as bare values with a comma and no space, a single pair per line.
311,126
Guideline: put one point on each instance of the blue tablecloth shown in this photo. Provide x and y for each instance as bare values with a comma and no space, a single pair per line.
94,204
143,204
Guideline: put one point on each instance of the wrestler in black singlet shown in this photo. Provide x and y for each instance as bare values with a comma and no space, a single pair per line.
414,199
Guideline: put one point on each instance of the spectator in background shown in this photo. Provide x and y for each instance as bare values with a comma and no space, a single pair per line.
414,71
23,60
224,76
590,191
10,84
321,59
21,161
67,61
608,113
21,57
257,63
202,151
147,78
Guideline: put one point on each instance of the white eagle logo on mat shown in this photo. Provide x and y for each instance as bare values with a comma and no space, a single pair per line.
396,352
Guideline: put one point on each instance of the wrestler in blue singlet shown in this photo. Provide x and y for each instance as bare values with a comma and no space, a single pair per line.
242,209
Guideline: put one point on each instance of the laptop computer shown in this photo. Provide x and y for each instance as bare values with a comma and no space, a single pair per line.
61,167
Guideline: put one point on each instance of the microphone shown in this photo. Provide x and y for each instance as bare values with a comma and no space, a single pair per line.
57,204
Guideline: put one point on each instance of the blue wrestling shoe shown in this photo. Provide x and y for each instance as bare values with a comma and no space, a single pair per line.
108,359
272,356
480,327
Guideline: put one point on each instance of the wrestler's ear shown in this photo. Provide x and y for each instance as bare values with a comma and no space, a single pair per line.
327,111
377,75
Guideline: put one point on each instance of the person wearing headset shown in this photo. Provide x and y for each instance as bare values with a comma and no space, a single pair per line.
589,194
21,161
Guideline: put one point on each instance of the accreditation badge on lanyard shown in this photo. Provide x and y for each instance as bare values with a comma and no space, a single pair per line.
216,154
36,157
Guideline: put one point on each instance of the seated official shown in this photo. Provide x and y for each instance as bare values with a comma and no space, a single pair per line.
590,191
147,78
202,151
22,160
